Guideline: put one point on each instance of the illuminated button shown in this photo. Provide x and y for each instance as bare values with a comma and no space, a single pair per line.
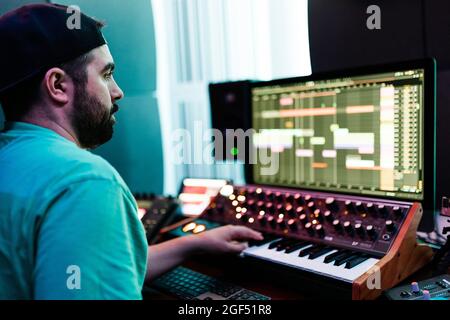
309,228
271,220
238,209
141,213
189,227
331,204
360,207
382,210
235,203
279,197
289,210
311,205
252,205
298,198
292,224
303,218
318,215
289,198
262,220
270,196
251,220
337,225
328,215
199,228
371,207
390,226
350,206
397,211
320,231
241,198
415,287
348,227
371,232
227,190
238,216
281,222
359,229
232,197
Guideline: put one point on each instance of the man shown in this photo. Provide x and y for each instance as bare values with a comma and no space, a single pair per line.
65,212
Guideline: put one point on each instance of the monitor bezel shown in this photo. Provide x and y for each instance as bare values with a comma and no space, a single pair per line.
429,143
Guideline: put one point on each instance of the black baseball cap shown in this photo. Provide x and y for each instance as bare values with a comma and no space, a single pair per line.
40,36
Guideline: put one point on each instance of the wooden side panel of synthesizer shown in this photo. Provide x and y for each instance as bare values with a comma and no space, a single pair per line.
404,258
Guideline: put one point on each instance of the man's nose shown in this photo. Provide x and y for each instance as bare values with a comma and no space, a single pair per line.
116,92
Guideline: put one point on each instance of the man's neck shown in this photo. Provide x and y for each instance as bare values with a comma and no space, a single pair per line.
54,126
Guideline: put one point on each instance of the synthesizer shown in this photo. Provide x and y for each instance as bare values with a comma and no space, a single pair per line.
364,245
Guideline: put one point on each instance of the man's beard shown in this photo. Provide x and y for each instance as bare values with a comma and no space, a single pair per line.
92,121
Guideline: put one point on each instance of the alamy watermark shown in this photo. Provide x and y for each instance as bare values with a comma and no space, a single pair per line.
374,20
203,145
74,20
374,280
74,279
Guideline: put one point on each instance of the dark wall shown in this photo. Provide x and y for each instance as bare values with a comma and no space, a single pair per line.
339,37
410,29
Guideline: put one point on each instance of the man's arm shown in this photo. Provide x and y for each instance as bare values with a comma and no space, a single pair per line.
91,245
164,256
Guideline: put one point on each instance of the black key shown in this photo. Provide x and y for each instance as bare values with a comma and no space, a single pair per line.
267,238
284,244
358,260
308,250
276,243
320,253
297,245
335,255
345,258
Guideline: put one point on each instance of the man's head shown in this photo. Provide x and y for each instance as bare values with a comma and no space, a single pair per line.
72,91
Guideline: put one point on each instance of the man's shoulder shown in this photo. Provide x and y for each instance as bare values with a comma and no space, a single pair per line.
59,159
81,163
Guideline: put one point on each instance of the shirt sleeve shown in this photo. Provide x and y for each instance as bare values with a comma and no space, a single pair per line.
91,245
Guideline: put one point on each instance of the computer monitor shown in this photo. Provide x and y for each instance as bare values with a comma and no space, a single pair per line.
367,131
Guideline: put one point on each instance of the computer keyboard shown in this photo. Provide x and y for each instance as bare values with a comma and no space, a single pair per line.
187,284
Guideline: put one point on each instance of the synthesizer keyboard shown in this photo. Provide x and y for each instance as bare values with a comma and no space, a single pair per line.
340,264
339,238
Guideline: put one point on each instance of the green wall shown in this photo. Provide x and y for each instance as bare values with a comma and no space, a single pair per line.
136,149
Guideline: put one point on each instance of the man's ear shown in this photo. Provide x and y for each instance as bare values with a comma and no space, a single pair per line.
58,85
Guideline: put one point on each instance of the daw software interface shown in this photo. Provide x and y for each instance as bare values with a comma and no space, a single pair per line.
360,135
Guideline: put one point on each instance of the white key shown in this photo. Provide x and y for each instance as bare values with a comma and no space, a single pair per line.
317,265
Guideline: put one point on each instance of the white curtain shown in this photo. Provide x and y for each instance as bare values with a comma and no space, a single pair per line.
204,41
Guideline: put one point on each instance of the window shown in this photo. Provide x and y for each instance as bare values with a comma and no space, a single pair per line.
203,41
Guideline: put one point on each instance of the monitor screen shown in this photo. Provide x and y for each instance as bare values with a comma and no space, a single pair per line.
362,132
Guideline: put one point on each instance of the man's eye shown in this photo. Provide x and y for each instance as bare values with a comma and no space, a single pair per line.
108,75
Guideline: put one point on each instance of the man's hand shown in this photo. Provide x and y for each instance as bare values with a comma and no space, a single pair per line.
166,255
227,239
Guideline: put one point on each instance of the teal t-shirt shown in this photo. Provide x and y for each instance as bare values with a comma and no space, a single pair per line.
69,227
